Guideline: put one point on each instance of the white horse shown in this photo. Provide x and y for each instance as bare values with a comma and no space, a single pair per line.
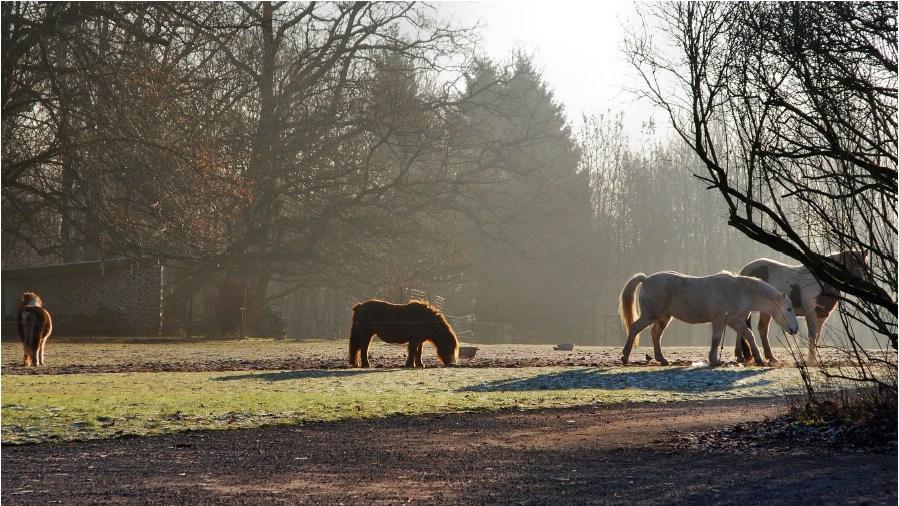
724,299
812,299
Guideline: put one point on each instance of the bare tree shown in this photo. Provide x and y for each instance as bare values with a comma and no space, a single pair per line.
792,110
99,158
300,143
236,134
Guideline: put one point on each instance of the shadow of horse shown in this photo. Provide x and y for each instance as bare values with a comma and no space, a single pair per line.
687,380
300,374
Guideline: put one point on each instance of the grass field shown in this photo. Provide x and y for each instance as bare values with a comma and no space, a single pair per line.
83,406
110,351
105,388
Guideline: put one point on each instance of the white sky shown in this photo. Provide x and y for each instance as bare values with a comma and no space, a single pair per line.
577,45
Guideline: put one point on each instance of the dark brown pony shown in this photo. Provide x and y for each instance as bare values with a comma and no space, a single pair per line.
35,326
413,323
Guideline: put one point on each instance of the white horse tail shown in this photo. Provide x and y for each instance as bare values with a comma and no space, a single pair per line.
626,301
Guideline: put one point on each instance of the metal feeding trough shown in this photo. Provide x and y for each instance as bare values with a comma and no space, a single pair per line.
564,347
467,351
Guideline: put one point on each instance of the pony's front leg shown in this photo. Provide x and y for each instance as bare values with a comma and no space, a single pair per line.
738,349
744,332
410,354
742,352
363,352
717,335
418,362
764,323
819,327
811,321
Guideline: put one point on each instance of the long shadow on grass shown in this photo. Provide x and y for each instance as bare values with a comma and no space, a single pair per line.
675,379
301,374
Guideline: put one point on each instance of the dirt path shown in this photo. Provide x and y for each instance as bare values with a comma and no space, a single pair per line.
606,455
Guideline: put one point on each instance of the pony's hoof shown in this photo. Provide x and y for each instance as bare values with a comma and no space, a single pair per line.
663,361
760,363
773,361
624,360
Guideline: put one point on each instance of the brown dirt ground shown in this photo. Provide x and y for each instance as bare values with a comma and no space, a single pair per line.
600,455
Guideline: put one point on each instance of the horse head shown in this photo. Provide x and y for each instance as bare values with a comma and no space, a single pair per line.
447,346
31,299
784,314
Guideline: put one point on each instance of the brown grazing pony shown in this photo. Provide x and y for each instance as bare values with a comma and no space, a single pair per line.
413,323
35,326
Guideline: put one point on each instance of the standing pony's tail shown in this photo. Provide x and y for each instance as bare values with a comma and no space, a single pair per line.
626,301
29,332
354,347
355,341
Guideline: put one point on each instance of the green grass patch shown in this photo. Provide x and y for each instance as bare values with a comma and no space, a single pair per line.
109,351
44,408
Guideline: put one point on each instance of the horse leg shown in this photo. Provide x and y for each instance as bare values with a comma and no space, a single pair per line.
43,347
811,321
39,355
355,345
632,337
410,354
363,350
717,336
738,348
764,323
822,319
658,328
26,360
29,349
744,332
418,362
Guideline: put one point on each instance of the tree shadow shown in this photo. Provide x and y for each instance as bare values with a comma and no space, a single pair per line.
673,379
300,374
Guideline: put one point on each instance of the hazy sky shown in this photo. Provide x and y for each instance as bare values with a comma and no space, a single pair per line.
577,45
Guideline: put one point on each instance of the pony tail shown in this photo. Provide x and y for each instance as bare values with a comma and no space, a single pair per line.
29,332
626,301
